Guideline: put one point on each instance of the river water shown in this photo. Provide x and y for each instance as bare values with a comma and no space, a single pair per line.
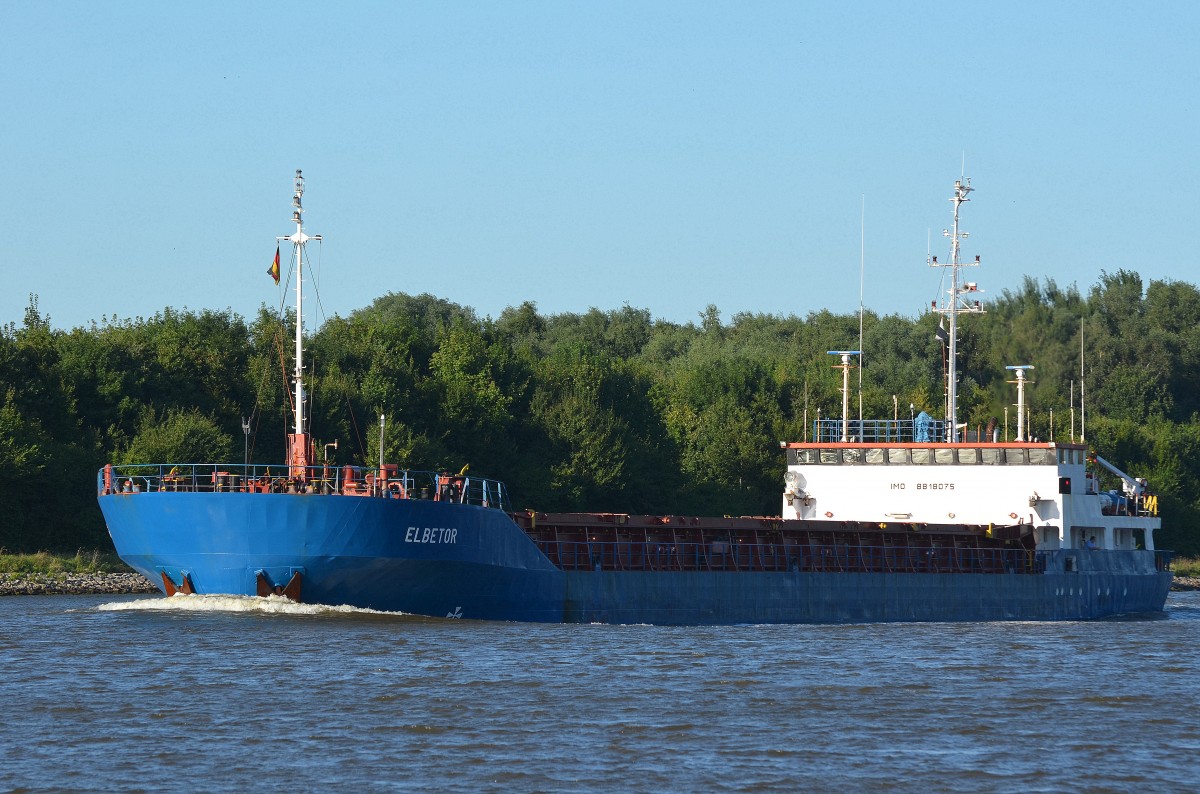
202,693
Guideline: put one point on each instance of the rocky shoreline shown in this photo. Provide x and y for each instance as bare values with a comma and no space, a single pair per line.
135,583
74,584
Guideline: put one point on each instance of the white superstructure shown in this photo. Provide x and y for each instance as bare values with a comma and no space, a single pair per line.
1019,490
1042,488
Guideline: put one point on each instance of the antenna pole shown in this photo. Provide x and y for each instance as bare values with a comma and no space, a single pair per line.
1019,371
1072,412
804,436
845,368
1082,402
246,444
862,269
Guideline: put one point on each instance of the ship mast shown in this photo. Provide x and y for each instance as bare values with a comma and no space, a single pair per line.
298,452
1019,371
961,301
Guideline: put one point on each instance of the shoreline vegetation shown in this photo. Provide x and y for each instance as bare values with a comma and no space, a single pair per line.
85,573
97,573
602,411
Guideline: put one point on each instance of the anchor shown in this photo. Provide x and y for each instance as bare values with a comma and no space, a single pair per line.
291,591
169,586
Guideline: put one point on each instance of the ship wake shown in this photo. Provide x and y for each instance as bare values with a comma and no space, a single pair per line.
270,605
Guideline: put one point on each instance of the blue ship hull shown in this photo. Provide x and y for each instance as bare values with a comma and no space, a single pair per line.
461,560
422,557
804,597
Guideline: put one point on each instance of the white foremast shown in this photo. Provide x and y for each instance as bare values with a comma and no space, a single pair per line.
298,455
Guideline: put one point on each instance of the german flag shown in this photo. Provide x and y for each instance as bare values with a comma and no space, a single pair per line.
273,270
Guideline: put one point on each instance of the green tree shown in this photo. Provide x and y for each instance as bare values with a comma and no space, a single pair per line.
179,436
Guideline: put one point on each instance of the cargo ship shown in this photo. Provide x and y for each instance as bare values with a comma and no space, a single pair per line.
889,520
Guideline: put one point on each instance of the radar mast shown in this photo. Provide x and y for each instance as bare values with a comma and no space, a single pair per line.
960,300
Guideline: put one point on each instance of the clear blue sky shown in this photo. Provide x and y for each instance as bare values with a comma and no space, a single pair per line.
667,155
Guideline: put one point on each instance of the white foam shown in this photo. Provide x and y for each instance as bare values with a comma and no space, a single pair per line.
270,605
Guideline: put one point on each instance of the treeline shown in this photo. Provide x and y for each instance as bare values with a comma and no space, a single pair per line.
607,410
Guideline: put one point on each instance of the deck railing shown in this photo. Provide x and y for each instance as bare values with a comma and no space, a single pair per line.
279,478
876,431
833,558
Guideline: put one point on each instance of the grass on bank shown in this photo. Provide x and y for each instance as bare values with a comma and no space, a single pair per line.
45,562
1186,566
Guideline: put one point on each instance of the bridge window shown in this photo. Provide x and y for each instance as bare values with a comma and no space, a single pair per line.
829,456
943,456
875,456
897,456
797,457
991,457
1015,457
922,457
969,456
1039,457
851,455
